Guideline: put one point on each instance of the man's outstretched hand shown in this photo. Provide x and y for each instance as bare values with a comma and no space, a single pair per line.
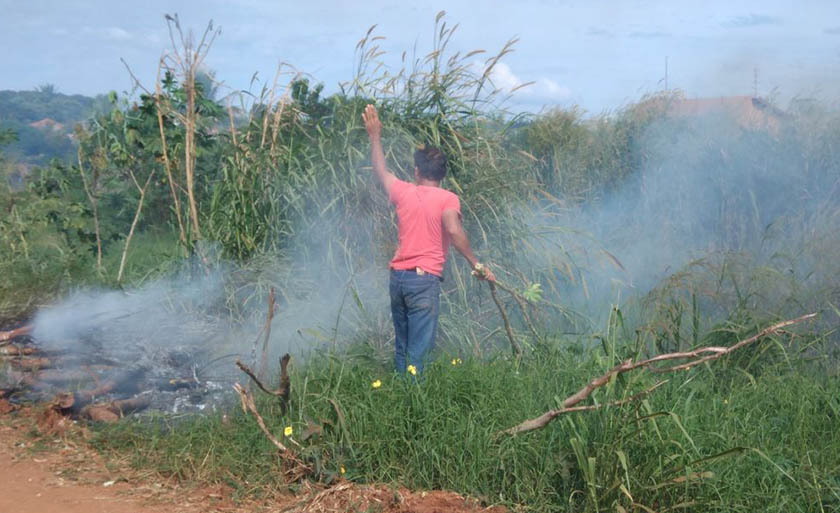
372,123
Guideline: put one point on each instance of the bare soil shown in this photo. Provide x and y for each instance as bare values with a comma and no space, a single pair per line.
52,474
60,473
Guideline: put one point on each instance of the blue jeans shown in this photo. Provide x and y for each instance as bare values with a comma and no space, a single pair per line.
415,306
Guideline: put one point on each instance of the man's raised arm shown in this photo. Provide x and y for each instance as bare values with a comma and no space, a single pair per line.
377,156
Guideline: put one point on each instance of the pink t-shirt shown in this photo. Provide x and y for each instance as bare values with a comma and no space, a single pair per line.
423,243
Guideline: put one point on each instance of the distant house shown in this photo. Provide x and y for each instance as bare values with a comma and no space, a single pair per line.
749,112
48,124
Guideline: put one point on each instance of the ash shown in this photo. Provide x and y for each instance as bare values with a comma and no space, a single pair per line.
180,379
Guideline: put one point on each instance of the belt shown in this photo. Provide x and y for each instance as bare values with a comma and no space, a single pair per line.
419,271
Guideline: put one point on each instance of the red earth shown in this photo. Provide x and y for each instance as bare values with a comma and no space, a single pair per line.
49,473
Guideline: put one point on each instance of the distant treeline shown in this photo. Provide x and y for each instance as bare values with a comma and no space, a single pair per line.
57,113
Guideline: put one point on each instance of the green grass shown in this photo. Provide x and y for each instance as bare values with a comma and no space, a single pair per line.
706,441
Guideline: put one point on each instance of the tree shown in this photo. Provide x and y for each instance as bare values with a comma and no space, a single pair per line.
48,89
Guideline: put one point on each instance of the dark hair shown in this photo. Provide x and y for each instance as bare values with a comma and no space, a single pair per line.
431,162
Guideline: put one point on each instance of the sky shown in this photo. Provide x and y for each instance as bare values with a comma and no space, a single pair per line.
599,55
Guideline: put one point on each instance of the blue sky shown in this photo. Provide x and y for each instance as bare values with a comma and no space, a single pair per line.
596,54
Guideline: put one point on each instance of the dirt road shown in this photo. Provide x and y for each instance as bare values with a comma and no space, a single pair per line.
57,475
62,474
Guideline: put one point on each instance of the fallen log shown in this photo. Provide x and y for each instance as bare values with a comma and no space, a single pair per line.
47,378
69,403
12,350
18,332
83,397
701,355
115,410
32,364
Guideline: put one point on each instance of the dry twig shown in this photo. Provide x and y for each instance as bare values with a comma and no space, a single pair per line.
523,306
293,468
249,406
283,391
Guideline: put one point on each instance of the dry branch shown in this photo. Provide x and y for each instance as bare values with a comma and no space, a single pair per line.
523,306
283,391
266,334
545,418
514,345
293,468
629,365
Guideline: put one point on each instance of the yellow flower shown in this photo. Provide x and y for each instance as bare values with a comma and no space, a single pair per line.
376,384
412,370
456,361
341,469
288,431
726,401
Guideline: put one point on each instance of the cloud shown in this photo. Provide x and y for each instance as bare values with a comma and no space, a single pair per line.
832,31
598,32
117,33
153,38
540,90
648,35
752,20
112,33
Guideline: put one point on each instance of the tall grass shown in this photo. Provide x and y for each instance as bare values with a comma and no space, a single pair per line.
750,433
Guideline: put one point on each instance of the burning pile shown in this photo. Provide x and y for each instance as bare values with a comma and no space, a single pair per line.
101,385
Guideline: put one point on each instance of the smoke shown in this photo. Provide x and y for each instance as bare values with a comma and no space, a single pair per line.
709,190
197,321
153,315
706,190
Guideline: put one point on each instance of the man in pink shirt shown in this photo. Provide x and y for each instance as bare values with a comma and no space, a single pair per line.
429,219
